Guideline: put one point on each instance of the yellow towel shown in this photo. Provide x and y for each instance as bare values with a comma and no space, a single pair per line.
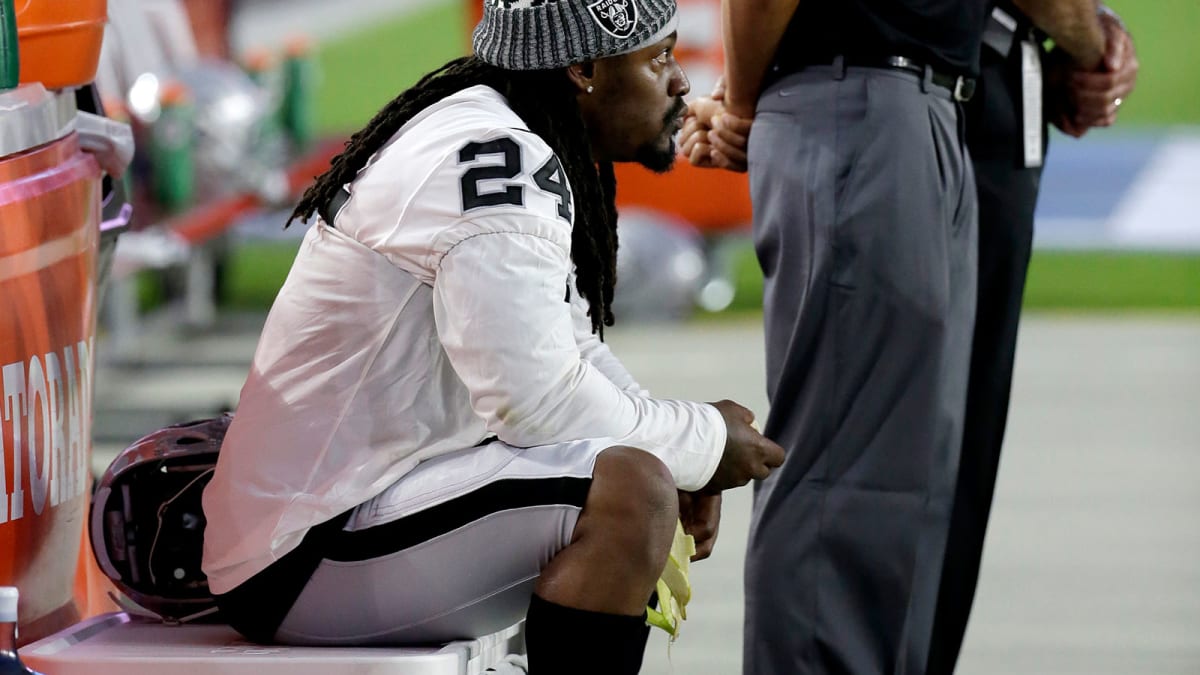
674,589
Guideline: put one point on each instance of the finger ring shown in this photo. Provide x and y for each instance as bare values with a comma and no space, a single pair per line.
1117,102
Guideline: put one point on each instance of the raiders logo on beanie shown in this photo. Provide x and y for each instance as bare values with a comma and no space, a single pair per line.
545,34
618,18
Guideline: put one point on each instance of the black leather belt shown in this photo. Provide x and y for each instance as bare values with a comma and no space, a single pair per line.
962,87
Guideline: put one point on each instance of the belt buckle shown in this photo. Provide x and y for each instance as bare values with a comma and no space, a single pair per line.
964,89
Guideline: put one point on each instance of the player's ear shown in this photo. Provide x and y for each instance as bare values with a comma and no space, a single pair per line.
582,75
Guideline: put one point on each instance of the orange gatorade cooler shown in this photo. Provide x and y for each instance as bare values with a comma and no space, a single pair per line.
49,231
60,40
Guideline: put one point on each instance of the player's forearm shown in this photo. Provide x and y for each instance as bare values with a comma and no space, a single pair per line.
1074,26
752,31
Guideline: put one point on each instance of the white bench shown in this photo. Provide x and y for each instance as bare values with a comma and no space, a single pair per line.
116,644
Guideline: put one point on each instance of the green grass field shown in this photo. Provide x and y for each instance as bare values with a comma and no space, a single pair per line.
1058,281
361,73
364,71
1065,281
1169,76
1113,281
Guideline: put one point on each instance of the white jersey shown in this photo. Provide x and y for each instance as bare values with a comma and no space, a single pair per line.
431,316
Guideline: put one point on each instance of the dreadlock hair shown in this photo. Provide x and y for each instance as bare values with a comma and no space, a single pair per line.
546,102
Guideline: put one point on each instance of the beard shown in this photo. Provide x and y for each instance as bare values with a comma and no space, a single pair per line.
660,160
656,159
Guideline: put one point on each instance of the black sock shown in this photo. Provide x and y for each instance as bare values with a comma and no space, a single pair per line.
568,641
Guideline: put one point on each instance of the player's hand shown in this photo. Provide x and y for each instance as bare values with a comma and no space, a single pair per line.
748,454
701,517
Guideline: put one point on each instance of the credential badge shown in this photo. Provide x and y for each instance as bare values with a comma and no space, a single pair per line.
618,18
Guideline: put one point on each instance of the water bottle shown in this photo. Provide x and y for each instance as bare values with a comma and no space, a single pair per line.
172,142
299,83
10,662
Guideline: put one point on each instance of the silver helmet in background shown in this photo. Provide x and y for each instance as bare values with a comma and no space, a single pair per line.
661,267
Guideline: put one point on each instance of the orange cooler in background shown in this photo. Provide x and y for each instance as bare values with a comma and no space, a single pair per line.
49,231
50,212
60,40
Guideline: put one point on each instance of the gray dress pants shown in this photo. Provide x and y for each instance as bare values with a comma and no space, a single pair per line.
865,226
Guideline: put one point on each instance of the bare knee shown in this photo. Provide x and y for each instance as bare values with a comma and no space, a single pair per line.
640,477
634,494
622,537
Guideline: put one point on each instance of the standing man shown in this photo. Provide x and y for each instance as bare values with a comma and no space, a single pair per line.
864,227
1005,132
865,224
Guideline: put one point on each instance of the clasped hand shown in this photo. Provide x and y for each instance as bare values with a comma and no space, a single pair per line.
714,136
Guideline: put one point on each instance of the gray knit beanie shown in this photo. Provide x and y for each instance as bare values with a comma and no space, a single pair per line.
545,34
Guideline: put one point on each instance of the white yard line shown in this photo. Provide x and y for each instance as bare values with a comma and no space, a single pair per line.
1160,210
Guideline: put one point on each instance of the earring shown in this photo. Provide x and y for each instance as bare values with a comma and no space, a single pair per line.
590,89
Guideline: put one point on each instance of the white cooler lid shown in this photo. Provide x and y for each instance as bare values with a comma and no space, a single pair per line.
115,644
